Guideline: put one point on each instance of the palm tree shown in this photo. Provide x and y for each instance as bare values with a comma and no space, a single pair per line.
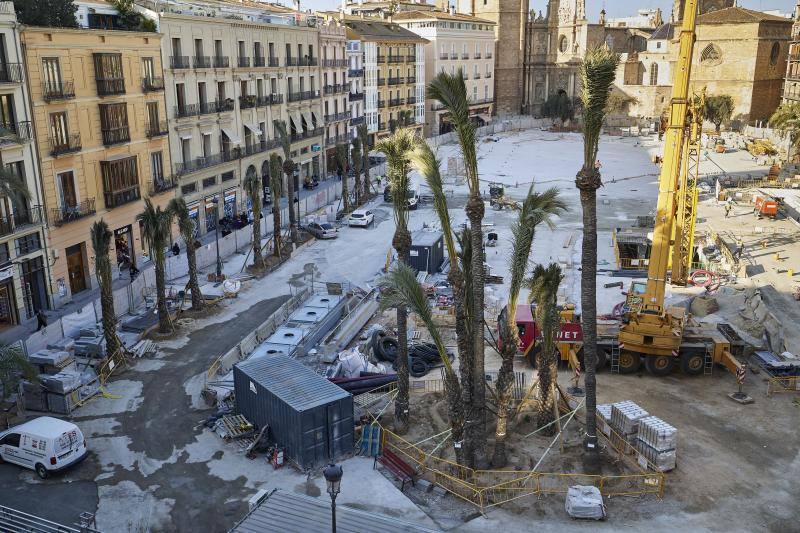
363,136
288,169
404,291
156,232
786,119
543,284
597,74
451,92
101,242
275,190
252,185
397,149
426,163
177,207
536,209
13,186
342,158
357,165
13,366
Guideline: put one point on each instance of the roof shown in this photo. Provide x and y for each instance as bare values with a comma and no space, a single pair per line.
291,381
426,238
439,15
524,313
664,32
371,29
46,426
294,513
738,15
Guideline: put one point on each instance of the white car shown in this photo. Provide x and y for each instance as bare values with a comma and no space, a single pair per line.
44,444
323,231
361,217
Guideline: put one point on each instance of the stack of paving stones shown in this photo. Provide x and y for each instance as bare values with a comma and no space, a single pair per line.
657,442
625,417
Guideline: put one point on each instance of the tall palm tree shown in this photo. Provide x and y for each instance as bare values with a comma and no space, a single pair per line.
252,186
177,206
426,163
342,158
597,75
13,366
101,242
451,92
275,190
786,119
537,208
355,154
397,149
543,284
156,233
404,291
13,186
363,136
288,169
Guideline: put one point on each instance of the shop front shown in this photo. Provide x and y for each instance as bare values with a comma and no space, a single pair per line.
229,203
123,244
210,205
194,216
34,285
8,308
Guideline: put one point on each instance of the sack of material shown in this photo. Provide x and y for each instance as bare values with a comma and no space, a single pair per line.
585,502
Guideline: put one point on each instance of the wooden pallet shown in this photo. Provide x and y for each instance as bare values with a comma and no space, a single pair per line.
236,427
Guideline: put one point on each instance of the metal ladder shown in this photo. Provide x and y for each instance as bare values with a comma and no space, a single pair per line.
708,363
615,356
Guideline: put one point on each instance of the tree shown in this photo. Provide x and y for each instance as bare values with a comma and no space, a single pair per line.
47,13
403,290
130,19
13,366
536,209
786,119
559,106
451,92
252,186
363,136
397,149
186,227
618,103
288,169
101,242
597,74
718,109
342,157
543,285
355,154
275,190
156,233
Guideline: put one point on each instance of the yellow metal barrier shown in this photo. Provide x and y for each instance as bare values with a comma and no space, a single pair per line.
783,384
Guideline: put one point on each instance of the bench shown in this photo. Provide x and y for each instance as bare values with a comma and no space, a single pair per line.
399,468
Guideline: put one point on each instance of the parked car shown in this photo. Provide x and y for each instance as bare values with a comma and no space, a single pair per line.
323,231
45,444
361,217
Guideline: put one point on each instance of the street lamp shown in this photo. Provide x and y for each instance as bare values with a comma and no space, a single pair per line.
333,475
215,201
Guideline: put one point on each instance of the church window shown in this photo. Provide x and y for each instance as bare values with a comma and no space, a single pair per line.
711,54
774,54
654,74
563,43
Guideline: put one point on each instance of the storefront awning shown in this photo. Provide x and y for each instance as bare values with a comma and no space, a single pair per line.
235,139
253,127
309,122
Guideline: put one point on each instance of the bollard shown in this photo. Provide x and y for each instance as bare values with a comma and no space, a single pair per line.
790,272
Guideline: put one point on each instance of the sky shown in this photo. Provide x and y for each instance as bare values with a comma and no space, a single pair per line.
614,8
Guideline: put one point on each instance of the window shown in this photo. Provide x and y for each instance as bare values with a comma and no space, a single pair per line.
563,43
152,117
120,181
4,257
176,46
12,439
69,195
59,133
711,55
114,123
486,92
186,149
51,75
220,91
157,166
774,53
28,243
227,176
198,48
209,182
474,93
108,74
188,189
654,74
206,145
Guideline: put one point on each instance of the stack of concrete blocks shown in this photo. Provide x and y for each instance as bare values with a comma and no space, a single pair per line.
91,343
625,418
657,442
51,361
604,417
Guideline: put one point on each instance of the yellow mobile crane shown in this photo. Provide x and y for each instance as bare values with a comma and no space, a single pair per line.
651,331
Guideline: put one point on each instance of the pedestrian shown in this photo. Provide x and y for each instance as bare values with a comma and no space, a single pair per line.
41,320
133,270
176,250
727,210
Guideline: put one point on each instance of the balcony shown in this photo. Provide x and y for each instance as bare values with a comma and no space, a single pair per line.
356,73
260,146
396,81
411,79
381,104
222,62
411,100
223,106
187,110
247,101
355,121
334,63
337,117
308,62
69,144
465,56
66,214
338,139
163,184
112,136
179,62
202,61
110,86
299,136
15,132
243,62
58,90
156,129
270,99
411,58
477,55
381,82
116,198
207,108
488,55
291,62
489,74
477,76
11,73
259,61
381,59
303,95
11,223
394,102
200,163
444,56
336,89
453,55
356,96
152,84
274,62
396,59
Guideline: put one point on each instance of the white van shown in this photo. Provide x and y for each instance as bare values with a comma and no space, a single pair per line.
44,444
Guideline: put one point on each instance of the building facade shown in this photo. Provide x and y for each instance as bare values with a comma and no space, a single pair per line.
24,277
335,88
355,78
456,42
791,85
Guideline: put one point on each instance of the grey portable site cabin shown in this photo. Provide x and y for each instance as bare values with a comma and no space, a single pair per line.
427,251
308,416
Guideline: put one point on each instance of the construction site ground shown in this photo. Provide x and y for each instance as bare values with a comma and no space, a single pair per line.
155,468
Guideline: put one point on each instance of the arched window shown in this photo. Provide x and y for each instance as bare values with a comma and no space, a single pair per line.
774,54
711,54
654,74
265,170
563,43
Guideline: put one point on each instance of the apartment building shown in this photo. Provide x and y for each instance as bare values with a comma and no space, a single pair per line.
394,74
101,132
230,72
355,78
335,88
24,286
456,42
791,84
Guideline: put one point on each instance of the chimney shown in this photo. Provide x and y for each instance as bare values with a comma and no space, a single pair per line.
452,10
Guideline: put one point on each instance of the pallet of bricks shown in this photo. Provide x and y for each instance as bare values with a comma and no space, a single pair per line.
625,418
633,430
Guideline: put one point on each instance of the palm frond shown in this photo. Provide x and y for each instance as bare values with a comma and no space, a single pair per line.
178,208
397,148
597,72
101,238
155,226
342,157
13,185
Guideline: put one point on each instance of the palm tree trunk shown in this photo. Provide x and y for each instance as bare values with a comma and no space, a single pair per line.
504,390
258,259
107,306
345,193
455,407
276,227
164,322
357,187
366,173
402,243
464,344
292,214
475,210
548,367
194,284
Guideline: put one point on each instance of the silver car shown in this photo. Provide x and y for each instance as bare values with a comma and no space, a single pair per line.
323,231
